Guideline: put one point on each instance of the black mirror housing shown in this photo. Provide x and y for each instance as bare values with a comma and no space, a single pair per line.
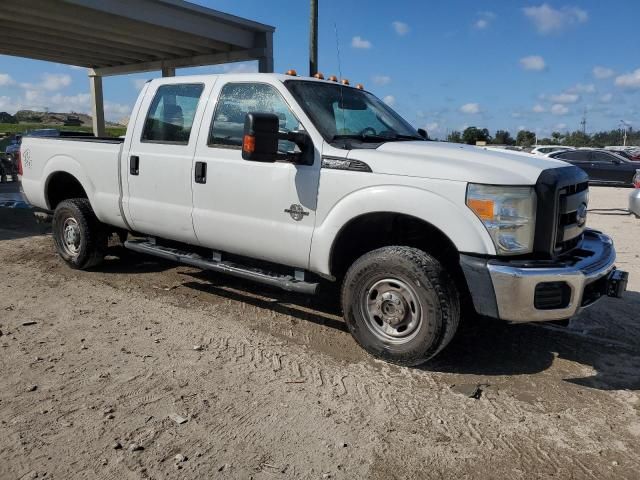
260,140
423,133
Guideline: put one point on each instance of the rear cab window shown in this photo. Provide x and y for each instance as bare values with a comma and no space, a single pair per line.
171,114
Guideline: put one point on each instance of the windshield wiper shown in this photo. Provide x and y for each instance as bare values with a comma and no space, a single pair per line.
362,138
375,138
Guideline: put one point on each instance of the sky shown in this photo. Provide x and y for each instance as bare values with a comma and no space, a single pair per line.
443,66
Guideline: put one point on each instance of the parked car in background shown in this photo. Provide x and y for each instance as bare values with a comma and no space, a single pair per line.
628,154
604,167
632,153
546,150
634,197
11,158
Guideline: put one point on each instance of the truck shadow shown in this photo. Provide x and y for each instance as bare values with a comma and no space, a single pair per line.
488,348
17,223
482,347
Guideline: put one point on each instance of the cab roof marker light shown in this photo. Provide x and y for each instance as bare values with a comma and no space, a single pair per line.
319,76
291,72
333,78
345,81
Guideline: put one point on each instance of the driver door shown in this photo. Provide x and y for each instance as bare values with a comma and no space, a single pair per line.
247,207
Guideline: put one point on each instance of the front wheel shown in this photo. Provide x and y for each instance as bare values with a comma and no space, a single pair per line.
400,304
80,238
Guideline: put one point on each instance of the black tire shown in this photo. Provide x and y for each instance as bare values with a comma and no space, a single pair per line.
424,301
80,238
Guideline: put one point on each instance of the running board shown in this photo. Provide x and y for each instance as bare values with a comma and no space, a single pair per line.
286,282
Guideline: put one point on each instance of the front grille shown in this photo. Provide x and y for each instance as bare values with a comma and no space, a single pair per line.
572,203
562,195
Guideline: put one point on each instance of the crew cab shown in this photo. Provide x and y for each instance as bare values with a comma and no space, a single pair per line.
303,182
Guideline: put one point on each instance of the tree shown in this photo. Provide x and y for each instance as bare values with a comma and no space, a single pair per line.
557,138
525,138
454,137
503,137
472,135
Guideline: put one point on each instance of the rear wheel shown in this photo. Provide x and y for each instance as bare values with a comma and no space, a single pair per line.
80,238
400,304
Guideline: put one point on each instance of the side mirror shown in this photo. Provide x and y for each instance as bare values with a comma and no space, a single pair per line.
423,133
260,139
616,161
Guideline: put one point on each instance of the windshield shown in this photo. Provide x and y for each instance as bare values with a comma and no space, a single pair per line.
344,113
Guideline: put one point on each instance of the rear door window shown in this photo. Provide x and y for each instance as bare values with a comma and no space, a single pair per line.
171,114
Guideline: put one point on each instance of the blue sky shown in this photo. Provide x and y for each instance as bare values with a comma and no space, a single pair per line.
442,65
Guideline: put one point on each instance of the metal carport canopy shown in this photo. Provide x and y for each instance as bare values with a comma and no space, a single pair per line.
112,37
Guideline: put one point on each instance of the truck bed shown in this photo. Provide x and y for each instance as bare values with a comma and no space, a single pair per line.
92,161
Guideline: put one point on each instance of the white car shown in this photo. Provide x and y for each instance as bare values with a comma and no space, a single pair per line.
297,182
545,150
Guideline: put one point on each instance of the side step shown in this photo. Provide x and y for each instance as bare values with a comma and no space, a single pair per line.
285,282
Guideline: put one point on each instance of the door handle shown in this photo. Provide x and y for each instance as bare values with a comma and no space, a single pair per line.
200,175
134,165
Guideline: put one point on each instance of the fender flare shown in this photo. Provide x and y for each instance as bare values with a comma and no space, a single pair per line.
455,221
67,164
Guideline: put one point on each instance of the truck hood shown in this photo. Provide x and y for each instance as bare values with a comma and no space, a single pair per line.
450,161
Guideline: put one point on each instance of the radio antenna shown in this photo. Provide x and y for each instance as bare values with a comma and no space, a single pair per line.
335,28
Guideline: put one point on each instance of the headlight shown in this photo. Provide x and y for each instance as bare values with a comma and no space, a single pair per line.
508,213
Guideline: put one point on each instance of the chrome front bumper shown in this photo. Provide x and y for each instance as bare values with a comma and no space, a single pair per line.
515,286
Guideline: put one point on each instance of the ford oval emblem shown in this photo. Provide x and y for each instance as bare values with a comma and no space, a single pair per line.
581,215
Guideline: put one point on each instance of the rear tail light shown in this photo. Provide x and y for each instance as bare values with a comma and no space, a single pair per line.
19,162
636,179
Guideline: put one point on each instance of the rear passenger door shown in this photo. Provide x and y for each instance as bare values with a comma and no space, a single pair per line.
159,163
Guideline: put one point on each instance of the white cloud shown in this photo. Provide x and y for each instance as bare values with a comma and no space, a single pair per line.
6,80
55,81
538,108
533,62
559,109
629,80
381,79
547,19
401,28
138,83
565,98
582,88
50,82
606,98
432,127
560,126
602,72
470,108
484,20
359,42
389,100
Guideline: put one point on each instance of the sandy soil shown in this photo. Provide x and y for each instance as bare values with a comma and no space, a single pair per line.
95,365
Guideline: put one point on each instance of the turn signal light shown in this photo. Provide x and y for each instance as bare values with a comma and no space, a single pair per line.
319,76
482,208
345,81
360,86
249,143
333,78
292,72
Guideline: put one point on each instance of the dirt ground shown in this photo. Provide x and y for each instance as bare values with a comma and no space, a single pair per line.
95,366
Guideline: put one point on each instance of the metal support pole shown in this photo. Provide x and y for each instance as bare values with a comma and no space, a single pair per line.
265,62
168,72
313,38
95,83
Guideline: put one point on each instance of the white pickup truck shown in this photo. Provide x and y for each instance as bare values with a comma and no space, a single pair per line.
295,181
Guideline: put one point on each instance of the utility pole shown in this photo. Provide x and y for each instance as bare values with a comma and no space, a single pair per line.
583,123
313,38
